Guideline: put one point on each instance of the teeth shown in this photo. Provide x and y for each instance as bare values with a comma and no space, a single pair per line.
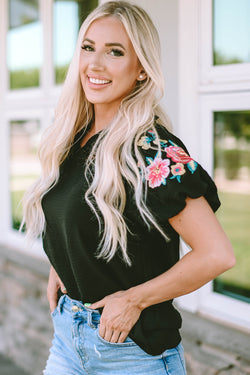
98,81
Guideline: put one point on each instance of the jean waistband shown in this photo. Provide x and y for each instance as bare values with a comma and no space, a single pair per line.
77,309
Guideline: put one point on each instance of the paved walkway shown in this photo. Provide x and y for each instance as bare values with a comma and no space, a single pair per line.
9,368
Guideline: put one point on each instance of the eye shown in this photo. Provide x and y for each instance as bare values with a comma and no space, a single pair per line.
116,52
87,48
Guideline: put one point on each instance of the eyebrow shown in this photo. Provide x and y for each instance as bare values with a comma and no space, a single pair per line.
106,44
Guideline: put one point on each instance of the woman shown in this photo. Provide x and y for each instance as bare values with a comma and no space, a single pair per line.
117,189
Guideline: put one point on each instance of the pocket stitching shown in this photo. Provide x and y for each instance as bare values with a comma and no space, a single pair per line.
117,344
54,312
181,358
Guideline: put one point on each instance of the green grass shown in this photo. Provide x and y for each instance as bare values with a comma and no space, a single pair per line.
20,79
234,216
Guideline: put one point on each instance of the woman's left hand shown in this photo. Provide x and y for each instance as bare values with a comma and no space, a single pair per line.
118,317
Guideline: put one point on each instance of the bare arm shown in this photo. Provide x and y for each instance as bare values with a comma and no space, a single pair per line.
211,255
54,284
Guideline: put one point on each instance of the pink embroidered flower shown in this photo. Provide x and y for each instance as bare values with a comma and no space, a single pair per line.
157,171
178,169
177,154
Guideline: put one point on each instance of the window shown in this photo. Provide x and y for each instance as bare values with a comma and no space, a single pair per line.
24,44
68,16
214,115
24,164
224,53
231,31
232,176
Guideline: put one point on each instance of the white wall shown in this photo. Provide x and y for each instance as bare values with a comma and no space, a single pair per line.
164,14
188,75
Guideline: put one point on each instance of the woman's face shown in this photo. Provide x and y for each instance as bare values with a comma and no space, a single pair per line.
109,67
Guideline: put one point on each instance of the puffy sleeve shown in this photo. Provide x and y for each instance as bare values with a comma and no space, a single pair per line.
172,175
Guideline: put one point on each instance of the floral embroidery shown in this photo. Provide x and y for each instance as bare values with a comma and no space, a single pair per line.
152,134
144,142
157,171
177,154
177,171
192,166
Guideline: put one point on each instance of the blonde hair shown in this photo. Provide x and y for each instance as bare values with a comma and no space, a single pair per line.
114,148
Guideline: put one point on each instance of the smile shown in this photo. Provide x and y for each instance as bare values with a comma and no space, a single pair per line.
97,81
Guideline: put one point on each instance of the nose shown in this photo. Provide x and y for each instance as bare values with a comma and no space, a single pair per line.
97,61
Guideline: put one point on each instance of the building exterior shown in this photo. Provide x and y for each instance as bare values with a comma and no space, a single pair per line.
206,64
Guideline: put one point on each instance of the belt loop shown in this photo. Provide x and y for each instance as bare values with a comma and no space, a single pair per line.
89,319
60,303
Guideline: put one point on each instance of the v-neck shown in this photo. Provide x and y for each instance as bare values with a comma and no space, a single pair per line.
89,141
93,137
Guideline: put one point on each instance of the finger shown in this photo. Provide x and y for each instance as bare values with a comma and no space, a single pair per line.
108,334
97,304
102,330
122,337
115,336
63,289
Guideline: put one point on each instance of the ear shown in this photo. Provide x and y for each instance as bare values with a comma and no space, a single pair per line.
142,75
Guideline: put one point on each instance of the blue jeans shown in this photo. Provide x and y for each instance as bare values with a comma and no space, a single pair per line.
78,349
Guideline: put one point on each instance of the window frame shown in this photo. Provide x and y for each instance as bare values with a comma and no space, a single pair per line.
229,77
237,101
206,301
10,236
24,104
204,89
45,28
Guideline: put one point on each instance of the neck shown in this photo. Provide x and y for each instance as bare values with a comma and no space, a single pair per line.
103,117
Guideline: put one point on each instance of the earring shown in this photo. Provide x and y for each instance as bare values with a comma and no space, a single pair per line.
141,76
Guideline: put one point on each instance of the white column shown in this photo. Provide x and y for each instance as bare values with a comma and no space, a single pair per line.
4,136
47,72
188,74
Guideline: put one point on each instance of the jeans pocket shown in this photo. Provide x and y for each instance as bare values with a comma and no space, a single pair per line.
180,350
174,360
54,312
128,341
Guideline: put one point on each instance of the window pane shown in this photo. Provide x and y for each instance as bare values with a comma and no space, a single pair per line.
231,31
232,176
25,166
68,16
24,44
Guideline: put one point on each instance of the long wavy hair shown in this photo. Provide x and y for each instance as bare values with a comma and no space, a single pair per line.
115,154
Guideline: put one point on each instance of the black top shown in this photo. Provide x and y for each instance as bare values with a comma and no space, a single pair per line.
72,234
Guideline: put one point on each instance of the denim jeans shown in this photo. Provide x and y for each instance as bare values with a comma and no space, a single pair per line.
78,349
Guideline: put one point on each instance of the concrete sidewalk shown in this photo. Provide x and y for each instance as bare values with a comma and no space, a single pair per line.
7,367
